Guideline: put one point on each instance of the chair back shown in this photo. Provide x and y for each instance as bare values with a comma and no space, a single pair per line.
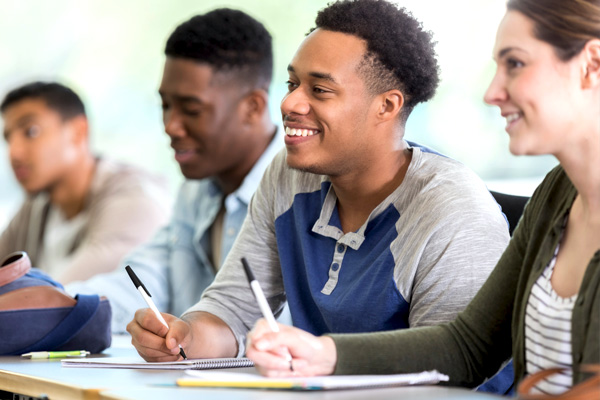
512,207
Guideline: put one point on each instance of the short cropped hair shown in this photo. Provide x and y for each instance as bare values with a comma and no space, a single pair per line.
57,97
400,53
230,41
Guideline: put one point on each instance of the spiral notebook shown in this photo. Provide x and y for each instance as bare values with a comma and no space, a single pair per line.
138,363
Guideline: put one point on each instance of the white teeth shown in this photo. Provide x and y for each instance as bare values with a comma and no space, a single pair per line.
512,117
299,132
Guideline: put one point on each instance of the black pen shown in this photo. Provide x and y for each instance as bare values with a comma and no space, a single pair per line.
263,305
146,295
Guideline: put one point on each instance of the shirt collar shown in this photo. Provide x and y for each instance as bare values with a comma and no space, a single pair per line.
252,180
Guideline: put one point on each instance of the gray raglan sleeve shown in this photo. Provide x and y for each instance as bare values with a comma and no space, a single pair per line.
465,236
229,297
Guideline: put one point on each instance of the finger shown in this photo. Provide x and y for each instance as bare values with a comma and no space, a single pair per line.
145,338
146,318
271,373
276,342
267,362
151,353
260,328
147,343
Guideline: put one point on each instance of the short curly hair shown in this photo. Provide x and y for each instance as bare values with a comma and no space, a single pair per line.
229,41
400,53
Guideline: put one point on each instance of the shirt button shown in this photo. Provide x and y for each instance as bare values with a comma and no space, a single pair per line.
231,231
341,248
335,267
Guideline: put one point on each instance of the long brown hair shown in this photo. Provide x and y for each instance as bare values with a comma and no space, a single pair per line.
567,25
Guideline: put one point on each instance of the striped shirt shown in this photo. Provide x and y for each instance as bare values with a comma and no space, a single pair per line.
548,333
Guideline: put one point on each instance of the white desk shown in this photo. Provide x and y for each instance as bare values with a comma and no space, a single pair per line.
400,393
39,378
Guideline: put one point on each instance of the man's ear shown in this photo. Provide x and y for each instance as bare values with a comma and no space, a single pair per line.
591,64
79,128
389,105
254,105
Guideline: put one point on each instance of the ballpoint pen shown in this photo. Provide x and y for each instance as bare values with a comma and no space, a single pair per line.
56,354
146,295
263,305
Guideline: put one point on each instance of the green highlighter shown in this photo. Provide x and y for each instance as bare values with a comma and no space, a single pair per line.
56,354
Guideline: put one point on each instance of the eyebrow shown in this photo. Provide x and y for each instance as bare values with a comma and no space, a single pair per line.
184,99
318,75
505,50
19,123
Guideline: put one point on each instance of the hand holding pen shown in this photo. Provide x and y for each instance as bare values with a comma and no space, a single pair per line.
147,298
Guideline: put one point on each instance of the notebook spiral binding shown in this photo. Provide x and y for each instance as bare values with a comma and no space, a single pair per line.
222,363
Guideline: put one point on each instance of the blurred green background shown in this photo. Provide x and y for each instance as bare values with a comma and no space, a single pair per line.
111,53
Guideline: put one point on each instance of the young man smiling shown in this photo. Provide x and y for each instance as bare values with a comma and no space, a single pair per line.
358,229
214,93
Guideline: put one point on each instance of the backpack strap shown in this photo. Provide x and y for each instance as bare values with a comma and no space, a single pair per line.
83,311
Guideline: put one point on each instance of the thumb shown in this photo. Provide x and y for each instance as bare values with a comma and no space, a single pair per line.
178,334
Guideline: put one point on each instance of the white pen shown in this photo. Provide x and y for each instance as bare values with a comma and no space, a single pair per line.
263,305
146,295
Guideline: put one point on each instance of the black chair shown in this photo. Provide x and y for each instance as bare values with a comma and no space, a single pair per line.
512,207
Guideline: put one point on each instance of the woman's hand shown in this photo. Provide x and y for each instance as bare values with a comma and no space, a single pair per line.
311,355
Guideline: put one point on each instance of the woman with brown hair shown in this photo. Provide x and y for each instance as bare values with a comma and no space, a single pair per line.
541,304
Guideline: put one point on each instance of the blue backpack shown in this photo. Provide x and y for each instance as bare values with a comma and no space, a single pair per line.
41,327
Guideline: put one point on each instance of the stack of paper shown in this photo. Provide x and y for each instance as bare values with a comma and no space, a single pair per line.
241,380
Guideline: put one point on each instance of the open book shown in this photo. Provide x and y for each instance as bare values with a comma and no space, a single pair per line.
242,380
138,363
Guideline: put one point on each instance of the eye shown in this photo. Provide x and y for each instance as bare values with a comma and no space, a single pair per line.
512,63
319,90
32,131
291,85
191,113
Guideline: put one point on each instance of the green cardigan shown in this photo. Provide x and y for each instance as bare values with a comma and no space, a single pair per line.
474,346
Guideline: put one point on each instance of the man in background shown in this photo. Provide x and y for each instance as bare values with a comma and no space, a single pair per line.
214,93
82,213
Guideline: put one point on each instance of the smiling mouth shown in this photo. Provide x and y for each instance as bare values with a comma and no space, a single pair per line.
21,172
513,117
300,132
183,156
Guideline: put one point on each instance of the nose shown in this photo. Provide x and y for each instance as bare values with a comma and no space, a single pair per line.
496,92
173,124
16,147
295,102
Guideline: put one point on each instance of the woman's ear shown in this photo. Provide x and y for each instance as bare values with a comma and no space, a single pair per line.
390,104
591,64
